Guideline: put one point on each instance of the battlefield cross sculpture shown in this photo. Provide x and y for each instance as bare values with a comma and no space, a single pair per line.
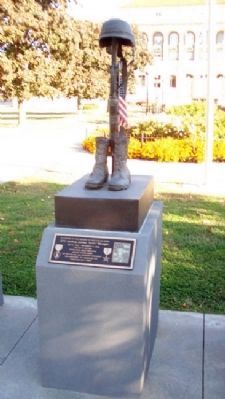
115,34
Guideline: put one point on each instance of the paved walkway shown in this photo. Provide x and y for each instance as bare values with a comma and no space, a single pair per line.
188,361
53,152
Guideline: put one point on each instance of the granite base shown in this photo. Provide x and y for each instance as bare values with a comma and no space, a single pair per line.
98,326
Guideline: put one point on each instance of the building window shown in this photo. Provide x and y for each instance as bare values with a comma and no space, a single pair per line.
142,80
145,40
219,88
190,45
173,46
202,46
189,85
157,81
158,45
173,81
219,41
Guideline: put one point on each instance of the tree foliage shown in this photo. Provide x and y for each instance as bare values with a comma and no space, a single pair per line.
45,52
25,65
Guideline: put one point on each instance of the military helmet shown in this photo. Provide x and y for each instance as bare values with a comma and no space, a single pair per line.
116,28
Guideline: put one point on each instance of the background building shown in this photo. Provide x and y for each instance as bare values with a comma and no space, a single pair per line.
178,40
176,35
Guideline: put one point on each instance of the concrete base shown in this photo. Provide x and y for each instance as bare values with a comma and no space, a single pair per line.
98,326
1,292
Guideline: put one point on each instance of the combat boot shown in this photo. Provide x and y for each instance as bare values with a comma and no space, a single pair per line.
120,179
100,172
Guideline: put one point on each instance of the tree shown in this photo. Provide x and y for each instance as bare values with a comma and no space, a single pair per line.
92,68
25,69
45,52
90,72
39,49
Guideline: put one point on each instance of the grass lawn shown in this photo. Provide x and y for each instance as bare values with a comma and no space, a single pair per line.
193,259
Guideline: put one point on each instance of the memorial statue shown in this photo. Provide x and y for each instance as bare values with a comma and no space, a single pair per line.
115,33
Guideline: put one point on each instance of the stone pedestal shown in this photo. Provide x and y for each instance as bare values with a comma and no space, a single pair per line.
1,292
103,210
98,325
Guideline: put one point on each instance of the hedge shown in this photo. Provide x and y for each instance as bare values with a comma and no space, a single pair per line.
168,149
182,122
193,119
152,130
182,140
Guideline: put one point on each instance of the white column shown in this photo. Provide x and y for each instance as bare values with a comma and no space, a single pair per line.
210,90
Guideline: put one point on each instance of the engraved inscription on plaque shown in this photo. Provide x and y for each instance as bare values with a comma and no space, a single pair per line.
93,251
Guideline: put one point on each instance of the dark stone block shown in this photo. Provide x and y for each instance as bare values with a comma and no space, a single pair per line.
103,209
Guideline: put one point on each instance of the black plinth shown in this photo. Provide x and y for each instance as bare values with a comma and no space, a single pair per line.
103,209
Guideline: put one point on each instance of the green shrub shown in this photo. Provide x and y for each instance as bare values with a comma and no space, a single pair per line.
219,129
219,150
173,142
186,121
90,107
193,119
151,130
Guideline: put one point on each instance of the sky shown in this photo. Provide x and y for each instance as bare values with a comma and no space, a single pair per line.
100,7
100,10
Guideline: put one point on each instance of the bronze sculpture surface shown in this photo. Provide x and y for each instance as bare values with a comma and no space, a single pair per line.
115,33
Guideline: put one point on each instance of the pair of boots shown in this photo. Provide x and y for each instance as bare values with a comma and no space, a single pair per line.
120,178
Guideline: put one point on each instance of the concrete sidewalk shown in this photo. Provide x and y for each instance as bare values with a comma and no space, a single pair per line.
188,360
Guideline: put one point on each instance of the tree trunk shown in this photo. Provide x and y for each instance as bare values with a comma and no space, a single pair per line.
78,102
21,113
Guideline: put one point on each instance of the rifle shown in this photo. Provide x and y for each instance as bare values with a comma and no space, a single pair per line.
118,80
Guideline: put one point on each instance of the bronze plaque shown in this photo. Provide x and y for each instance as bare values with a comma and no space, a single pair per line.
107,252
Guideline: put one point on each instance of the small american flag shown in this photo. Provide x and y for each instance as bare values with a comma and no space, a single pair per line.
123,120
